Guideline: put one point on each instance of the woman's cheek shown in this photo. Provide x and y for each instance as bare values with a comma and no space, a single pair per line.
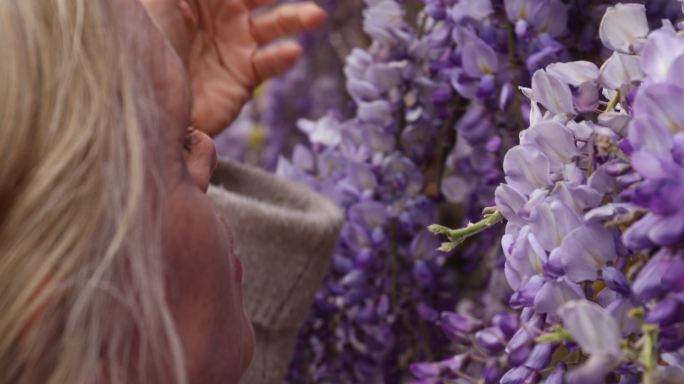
204,289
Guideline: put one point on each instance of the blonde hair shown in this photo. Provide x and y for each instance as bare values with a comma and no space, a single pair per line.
82,295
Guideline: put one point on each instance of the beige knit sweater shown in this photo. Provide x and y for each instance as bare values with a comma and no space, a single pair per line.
285,235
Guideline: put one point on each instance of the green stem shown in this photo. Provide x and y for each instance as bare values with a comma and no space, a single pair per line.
458,236
558,334
613,102
648,356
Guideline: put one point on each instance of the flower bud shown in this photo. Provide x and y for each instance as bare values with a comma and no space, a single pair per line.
616,280
491,340
540,356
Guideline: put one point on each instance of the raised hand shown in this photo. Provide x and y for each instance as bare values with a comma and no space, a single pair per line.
226,49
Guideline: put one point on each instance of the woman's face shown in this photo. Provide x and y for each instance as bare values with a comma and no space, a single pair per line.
203,275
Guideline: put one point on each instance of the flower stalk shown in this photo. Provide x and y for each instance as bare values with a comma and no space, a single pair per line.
458,236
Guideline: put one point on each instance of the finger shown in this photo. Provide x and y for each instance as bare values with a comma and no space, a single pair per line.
273,61
285,20
254,4
216,105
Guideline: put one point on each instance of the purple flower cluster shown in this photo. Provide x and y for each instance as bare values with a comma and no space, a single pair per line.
594,234
656,143
376,309
267,127
434,108
482,51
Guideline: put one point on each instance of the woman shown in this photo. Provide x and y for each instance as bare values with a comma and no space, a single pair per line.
114,265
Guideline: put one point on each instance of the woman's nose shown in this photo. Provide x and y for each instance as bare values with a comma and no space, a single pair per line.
202,159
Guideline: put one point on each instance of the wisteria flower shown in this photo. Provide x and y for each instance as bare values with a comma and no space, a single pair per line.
597,333
624,27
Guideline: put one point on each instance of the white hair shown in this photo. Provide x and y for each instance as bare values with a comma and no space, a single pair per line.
82,296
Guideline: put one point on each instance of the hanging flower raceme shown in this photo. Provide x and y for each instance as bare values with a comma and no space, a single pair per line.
595,226
267,127
435,108
387,282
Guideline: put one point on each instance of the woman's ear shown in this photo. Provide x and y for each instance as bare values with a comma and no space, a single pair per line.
201,158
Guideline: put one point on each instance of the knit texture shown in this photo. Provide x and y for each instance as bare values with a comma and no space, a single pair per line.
284,235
